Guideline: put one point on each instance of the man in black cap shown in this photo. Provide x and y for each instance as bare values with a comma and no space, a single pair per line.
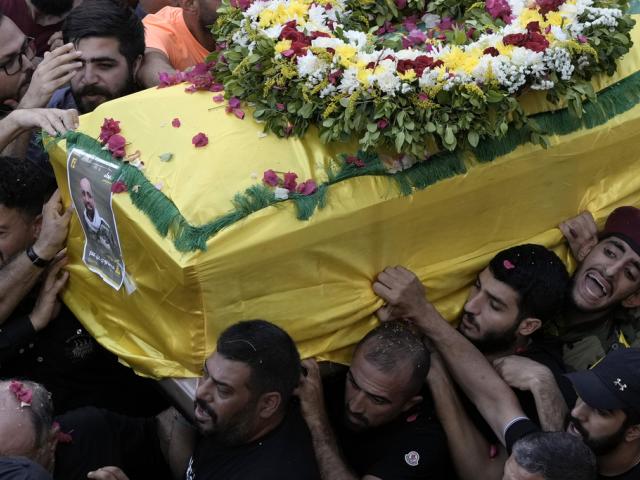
604,289
607,413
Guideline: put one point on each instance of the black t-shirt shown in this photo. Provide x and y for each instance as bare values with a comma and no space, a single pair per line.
633,474
100,438
547,353
73,366
285,453
412,446
20,468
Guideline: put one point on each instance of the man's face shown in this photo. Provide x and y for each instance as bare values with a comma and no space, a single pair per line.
12,43
606,277
490,315
18,434
513,471
17,232
87,196
372,397
224,405
105,74
208,12
601,430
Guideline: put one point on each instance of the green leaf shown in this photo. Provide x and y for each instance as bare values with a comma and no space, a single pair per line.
473,138
449,137
399,141
372,127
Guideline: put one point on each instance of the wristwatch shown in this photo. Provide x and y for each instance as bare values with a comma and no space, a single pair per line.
35,259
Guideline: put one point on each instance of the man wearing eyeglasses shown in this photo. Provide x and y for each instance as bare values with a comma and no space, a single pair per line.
16,66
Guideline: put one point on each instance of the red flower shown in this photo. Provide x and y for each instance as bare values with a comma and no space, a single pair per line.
270,178
491,51
116,145
241,4
401,4
383,123
532,39
200,140
499,9
536,42
307,188
118,187
547,6
280,106
290,181
355,161
516,39
533,27
175,123
109,128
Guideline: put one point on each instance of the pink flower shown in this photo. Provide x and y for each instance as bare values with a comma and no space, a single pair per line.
355,161
234,102
280,106
499,9
241,4
582,39
23,394
233,106
109,128
401,4
200,140
270,178
118,187
383,123
217,87
218,98
508,265
290,181
116,145
307,188
175,123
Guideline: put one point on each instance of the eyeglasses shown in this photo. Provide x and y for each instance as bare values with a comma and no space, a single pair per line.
14,64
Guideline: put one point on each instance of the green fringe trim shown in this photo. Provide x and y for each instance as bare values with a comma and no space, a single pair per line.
614,100
167,219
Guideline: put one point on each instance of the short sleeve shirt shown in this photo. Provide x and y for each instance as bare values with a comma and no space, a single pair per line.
414,446
166,31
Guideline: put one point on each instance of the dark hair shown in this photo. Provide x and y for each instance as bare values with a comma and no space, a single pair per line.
537,274
53,7
24,186
555,456
106,18
270,353
632,417
392,344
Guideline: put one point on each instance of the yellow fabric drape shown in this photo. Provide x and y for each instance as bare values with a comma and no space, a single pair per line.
314,277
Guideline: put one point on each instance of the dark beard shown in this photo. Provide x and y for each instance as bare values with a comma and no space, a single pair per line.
87,107
496,342
236,430
599,446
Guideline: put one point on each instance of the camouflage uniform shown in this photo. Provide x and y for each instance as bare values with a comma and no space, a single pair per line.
584,345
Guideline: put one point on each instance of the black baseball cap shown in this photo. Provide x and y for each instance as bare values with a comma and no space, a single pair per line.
20,468
612,384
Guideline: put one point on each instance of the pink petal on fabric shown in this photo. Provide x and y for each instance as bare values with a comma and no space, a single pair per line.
176,123
218,98
200,140
508,265
238,112
118,187
234,102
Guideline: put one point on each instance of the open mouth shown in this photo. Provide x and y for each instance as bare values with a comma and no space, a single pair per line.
596,285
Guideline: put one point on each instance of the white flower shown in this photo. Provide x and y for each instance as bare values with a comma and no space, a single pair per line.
357,39
387,81
281,193
430,20
349,82
308,64
326,42
273,32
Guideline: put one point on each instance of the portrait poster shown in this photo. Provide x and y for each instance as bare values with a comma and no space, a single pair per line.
90,179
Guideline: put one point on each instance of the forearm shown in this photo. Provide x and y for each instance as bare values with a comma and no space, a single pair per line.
330,462
9,130
468,449
470,369
18,146
17,278
550,404
155,62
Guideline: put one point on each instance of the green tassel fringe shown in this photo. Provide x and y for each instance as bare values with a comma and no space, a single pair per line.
168,220
614,100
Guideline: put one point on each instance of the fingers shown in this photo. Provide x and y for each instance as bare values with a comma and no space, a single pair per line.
384,312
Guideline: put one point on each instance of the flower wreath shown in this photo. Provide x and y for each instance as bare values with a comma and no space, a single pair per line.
412,77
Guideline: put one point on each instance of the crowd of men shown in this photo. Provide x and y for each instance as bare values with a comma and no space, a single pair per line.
540,380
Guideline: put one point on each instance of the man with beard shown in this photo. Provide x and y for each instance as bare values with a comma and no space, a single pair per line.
607,413
497,402
250,427
604,289
379,421
521,289
177,38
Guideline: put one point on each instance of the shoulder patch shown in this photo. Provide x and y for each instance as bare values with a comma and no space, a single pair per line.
412,458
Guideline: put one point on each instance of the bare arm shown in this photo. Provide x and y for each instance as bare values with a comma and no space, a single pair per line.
19,275
526,374
330,461
51,120
405,296
177,441
155,62
469,450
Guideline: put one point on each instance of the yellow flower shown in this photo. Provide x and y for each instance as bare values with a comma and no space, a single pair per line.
529,15
266,18
504,49
283,46
346,53
458,59
555,18
408,76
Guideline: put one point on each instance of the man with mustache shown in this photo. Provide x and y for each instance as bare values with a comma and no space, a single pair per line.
249,425
376,420
604,289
